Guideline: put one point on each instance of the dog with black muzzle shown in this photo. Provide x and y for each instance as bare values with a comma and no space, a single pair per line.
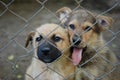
88,46
51,54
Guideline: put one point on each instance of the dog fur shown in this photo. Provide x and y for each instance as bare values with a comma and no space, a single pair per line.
60,68
85,30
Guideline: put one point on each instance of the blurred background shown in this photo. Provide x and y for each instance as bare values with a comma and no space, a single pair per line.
18,17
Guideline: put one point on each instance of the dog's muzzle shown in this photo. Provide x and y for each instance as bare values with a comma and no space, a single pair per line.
47,52
76,40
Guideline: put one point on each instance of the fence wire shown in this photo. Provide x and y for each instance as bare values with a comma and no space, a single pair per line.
15,58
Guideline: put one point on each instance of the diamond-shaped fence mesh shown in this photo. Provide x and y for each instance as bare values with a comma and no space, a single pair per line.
19,17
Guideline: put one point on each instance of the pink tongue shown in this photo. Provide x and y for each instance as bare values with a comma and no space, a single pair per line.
76,56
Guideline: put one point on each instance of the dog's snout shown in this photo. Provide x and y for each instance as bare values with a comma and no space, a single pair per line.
76,40
46,50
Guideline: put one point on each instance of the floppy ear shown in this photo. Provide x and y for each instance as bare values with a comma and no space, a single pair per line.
63,14
29,38
104,22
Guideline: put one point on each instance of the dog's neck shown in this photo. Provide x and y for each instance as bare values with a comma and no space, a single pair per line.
64,66
92,50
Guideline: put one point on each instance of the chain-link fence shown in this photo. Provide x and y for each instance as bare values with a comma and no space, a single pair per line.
18,18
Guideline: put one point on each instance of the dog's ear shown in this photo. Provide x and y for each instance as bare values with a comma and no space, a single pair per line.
104,22
63,14
29,38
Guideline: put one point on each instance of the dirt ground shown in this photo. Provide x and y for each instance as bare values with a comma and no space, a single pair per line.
14,58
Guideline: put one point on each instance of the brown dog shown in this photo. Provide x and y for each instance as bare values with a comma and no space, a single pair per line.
88,49
50,42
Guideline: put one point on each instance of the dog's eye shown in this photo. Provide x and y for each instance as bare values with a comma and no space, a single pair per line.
72,26
38,38
56,38
88,28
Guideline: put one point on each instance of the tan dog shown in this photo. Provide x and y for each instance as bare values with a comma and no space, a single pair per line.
88,50
50,42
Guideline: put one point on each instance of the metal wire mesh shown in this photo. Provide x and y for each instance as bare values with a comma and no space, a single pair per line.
17,22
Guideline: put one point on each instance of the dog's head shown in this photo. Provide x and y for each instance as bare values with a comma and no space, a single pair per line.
49,41
84,28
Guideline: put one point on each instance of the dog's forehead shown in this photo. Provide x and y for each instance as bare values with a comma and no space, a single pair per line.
82,15
50,29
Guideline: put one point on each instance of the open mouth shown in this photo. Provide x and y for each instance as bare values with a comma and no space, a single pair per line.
77,54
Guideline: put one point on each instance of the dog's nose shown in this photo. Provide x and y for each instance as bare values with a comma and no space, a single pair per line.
76,40
46,50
